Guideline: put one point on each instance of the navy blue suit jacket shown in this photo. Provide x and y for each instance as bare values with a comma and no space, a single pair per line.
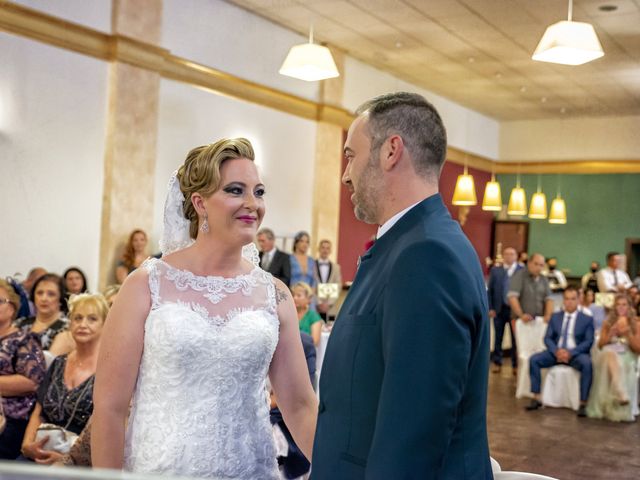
498,286
582,332
403,388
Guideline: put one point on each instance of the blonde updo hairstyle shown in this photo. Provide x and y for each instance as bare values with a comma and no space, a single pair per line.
200,172
96,300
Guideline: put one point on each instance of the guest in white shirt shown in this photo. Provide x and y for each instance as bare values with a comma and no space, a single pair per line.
557,280
612,278
568,339
327,272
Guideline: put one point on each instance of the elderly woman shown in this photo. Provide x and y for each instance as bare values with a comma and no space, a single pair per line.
21,370
615,376
65,397
302,265
309,320
48,295
135,252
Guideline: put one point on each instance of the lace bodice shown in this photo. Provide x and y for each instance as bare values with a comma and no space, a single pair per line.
200,406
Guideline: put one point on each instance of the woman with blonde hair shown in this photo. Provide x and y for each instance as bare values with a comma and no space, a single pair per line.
309,320
614,391
21,370
192,336
135,252
65,397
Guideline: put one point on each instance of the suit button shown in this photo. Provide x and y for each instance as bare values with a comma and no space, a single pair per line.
321,407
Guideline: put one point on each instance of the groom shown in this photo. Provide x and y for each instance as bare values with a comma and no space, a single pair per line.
404,381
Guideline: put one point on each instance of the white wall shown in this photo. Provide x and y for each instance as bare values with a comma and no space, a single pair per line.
94,14
284,144
52,131
602,138
466,129
223,36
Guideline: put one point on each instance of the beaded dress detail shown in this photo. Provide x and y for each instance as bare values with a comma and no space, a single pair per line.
200,406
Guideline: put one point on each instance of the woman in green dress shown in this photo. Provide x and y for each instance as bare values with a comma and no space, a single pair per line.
615,382
310,320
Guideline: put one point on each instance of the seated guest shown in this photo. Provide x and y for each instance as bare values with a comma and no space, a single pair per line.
596,311
21,370
27,308
327,272
523,258
557,280
302,265
590,279
65,397
568,339
310,321
135,252
110,293
75,281
499,309
634,295
48,296
273,260
615,371
612,278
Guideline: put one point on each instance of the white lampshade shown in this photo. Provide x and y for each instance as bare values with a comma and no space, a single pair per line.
310,62
517,201
558,213
568,43
538,207
492,200
465,191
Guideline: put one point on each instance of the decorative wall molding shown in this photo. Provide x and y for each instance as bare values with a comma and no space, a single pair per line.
55,31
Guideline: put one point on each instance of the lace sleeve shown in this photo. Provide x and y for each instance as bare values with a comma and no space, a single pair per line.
29,359
151,267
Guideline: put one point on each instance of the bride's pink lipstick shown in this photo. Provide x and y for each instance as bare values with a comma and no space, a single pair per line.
247,219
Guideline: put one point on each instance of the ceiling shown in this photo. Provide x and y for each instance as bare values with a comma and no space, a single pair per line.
478,52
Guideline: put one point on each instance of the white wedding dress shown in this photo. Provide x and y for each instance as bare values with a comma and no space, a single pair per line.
200,406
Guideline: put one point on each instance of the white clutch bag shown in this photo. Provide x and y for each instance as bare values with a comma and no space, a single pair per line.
59,439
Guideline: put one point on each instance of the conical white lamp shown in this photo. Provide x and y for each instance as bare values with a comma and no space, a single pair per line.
569,43
310,62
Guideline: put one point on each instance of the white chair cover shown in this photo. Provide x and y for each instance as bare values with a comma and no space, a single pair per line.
562,387
495,466
48,358
520,476
530,340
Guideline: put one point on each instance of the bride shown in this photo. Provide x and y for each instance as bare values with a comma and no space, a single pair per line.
191,338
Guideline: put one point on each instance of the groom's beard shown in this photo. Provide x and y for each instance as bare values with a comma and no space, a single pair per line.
366,198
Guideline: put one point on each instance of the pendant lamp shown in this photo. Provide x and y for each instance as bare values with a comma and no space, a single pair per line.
558,213
538,207
310,62
569,43
465,191
517,200
492,200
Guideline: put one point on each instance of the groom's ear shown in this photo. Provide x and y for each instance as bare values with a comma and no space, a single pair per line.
391,152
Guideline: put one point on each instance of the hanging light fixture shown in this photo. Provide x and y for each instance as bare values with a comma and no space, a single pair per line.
538,207
569,43
309,61
492,200
465,191
517,199
558,212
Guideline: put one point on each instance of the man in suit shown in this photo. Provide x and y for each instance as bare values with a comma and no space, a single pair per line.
499,309
404,380
568,339
327,272
272,260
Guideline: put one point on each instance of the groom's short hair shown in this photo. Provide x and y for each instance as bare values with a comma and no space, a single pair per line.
413,118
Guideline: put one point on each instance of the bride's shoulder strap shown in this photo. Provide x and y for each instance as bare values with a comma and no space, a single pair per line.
152,267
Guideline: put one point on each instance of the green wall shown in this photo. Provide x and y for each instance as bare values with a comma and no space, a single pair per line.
602,211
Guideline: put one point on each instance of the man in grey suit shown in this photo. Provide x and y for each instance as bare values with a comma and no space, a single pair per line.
403,388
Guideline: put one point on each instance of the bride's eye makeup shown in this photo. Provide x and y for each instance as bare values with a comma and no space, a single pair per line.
234,189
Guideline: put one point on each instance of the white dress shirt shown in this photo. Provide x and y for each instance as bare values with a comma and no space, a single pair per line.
267,258
608,281
386,226
571,339
324,266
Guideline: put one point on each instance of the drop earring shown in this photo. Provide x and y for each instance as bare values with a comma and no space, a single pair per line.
204,228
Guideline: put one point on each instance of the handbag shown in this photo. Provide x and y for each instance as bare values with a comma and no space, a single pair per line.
60,439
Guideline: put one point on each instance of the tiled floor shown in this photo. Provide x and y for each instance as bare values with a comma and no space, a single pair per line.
555,442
